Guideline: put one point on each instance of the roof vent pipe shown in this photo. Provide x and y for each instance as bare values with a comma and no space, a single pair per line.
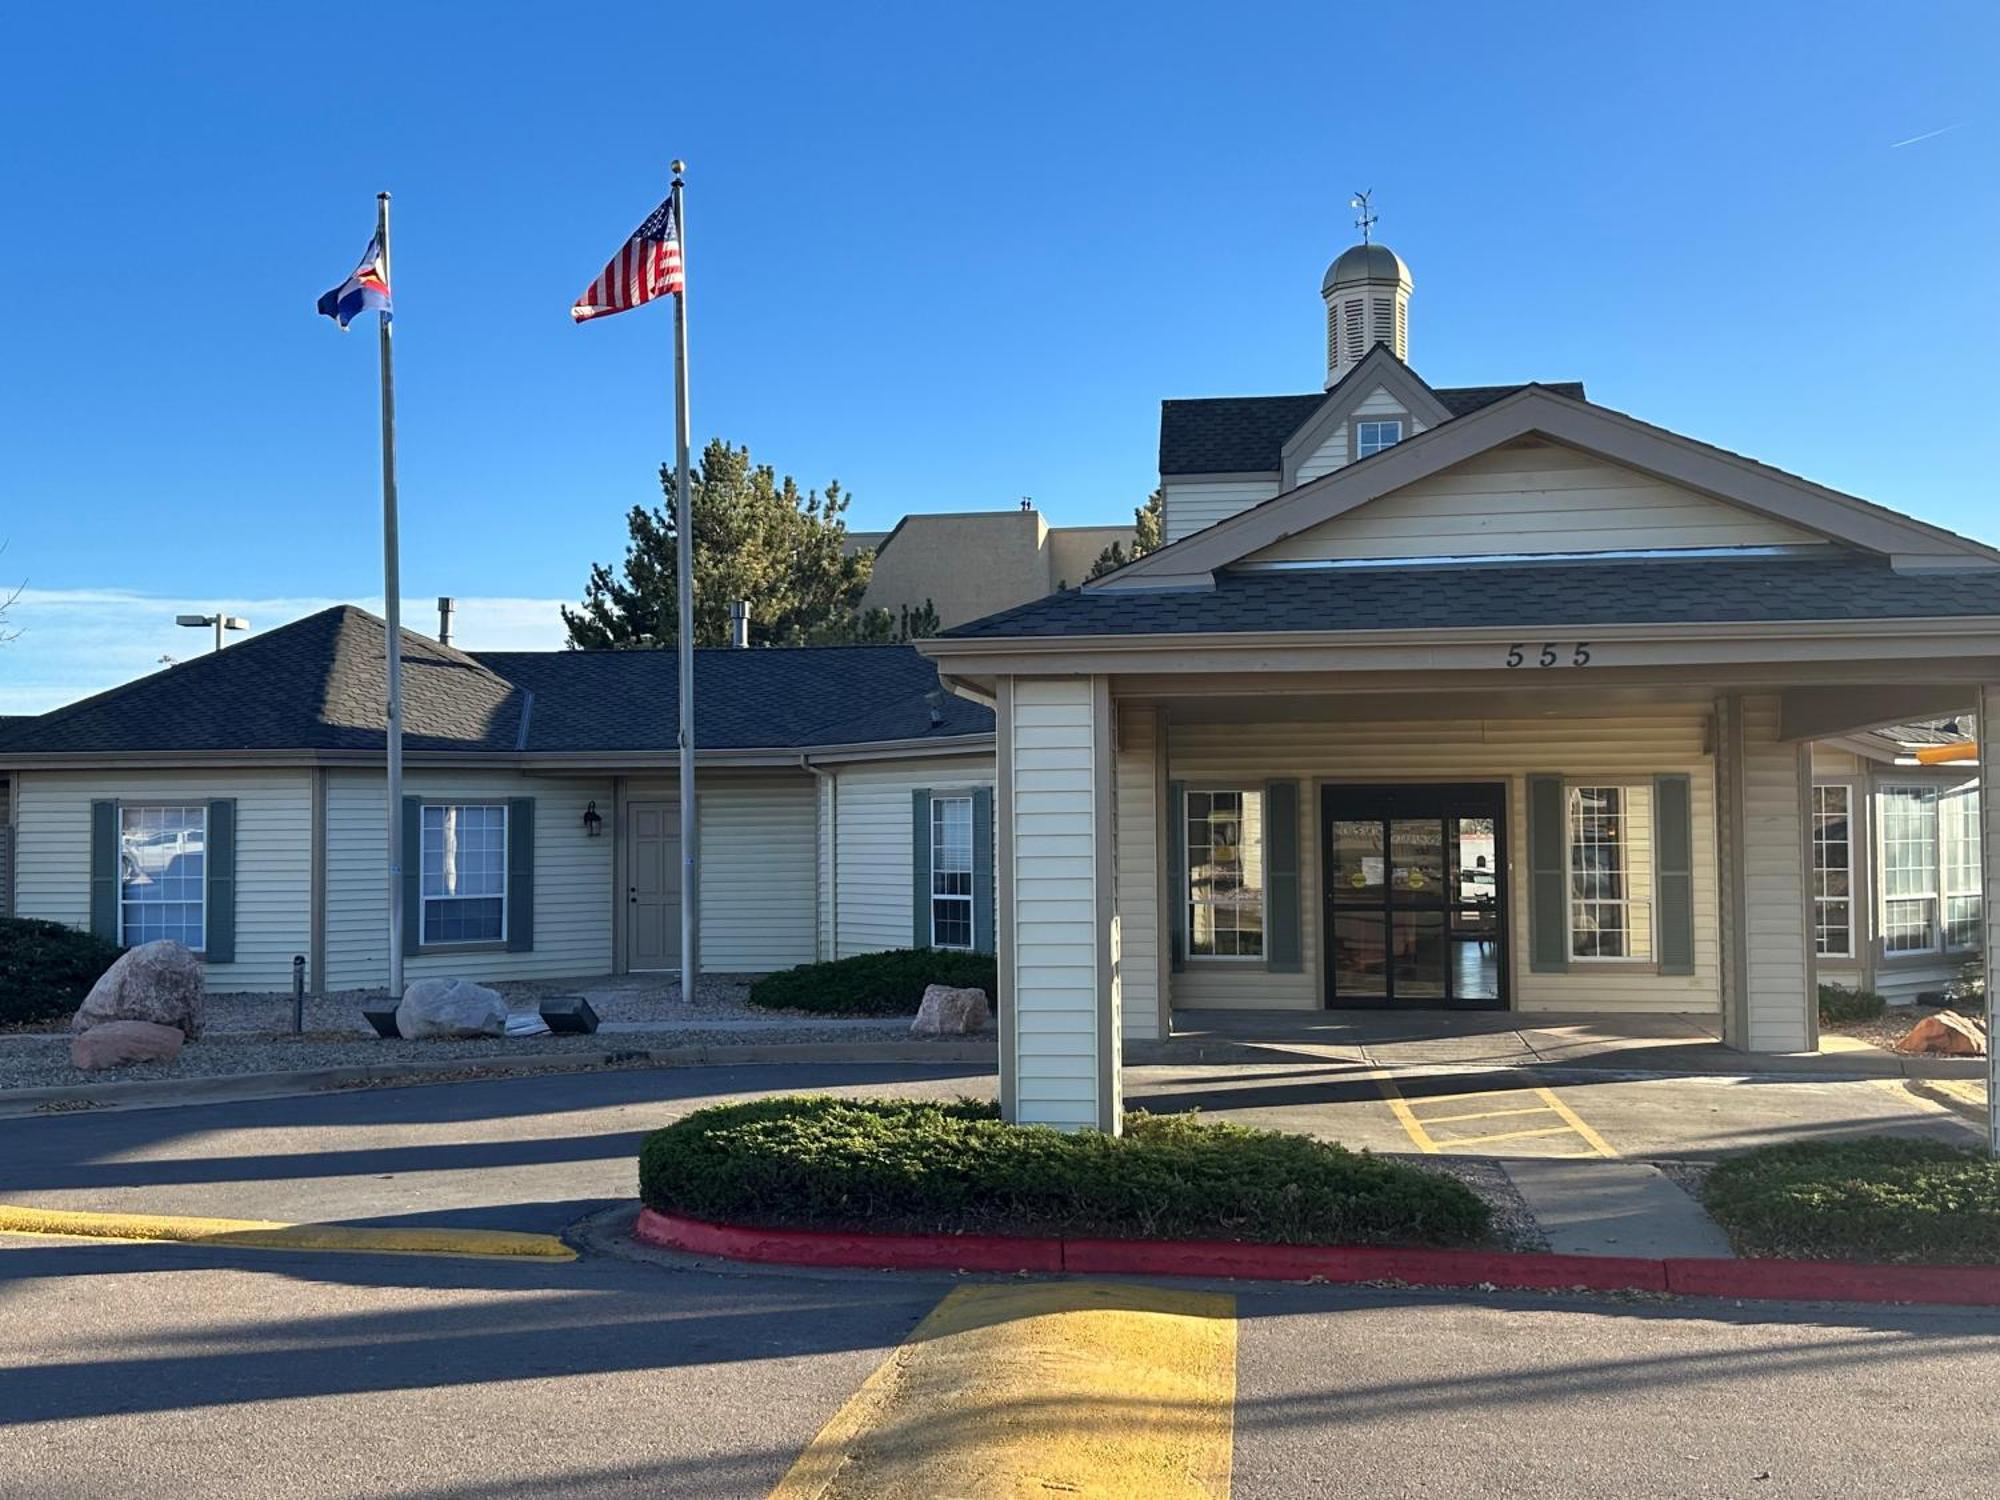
447,607
739,624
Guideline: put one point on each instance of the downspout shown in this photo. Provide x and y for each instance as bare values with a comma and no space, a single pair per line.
828,777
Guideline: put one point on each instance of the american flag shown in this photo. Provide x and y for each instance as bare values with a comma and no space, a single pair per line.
648,266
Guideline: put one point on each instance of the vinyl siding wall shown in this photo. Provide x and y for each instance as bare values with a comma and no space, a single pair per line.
872,896
1609,750
1051,1018
758,851
1333,453
1139,915
1532,498
573,878
273,860
1777,944
1191,505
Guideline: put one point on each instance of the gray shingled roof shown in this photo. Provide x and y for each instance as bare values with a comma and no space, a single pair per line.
318,684
1246,434
1533,595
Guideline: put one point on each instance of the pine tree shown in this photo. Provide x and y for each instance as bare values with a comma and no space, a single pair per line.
1146,538
756,537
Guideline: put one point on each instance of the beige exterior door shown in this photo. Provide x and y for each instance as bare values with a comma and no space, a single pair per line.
653,886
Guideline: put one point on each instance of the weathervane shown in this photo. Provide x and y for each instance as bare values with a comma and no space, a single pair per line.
1365,220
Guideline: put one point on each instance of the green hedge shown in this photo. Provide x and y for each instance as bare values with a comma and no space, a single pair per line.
46,968
933,1168
875,984
1878,1199
1839,1002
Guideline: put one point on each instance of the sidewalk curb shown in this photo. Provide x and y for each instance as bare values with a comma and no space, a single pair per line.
223,1087
1772,1280
1766,1065
269,1234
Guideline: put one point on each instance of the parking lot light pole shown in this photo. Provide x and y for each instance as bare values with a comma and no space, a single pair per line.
219,620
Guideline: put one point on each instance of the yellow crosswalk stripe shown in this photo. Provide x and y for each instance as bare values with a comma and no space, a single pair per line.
1024,1392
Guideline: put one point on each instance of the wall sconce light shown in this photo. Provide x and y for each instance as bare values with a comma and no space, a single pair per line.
593,825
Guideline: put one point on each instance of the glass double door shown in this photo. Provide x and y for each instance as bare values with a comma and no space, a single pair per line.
1414,895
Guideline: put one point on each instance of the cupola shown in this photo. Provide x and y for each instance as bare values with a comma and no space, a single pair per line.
1367,292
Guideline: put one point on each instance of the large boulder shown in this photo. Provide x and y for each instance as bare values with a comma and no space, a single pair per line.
157,982
945,1011
116,1043
1946,1034
451,1007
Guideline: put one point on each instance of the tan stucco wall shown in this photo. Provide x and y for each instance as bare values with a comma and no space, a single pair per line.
981,562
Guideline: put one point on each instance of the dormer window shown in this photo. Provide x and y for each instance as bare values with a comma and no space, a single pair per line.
1373,437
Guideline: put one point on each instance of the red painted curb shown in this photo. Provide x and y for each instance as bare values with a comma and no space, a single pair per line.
1770,1280
824,1247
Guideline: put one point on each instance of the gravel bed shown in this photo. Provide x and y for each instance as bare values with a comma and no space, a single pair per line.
1514,1224
1689,1176
1895,1023
43,1061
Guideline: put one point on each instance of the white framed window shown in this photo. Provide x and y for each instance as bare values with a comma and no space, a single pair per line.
1931,899
951,872
1374,436
163,875
464,872
1958,845
1224,842
1609,848
1833,869
1908,819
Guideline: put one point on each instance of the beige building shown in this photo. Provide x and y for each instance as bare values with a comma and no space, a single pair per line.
1483,697
968,564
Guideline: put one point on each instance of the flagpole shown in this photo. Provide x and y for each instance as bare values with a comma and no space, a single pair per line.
684,598
392,612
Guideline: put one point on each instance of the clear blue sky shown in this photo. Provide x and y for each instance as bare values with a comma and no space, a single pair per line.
949,255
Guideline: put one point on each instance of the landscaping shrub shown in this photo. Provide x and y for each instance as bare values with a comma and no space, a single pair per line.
932,1168
1839,1002
876,984
46,968
1879,1199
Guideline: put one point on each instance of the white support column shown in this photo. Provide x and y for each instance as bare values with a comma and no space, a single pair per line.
1987,732
1772,1004
1142,942
1056,906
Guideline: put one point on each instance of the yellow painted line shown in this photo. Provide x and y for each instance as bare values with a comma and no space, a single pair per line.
1029,1392
1457,1098
1571,1118
1964,1090
1506,1135
267,1234
1485,1114
1405,1116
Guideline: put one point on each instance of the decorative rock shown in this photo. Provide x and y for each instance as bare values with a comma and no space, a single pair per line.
451,1007
158,982
949,1012
116,1043
1946,1034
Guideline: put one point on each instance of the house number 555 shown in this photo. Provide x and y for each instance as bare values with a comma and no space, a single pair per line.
1550,654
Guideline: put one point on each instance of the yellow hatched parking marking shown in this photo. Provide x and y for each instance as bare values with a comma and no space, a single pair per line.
1575,1122
1024,1392
1418,1127
1405,1116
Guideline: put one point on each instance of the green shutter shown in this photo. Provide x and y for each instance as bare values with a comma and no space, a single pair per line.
413,865
1548,884
982,870
104,870
1281,877
920,867
219,921
520,874
1673,872
1176,879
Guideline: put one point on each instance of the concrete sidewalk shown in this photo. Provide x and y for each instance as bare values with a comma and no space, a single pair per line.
1615,1208
1511,1039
